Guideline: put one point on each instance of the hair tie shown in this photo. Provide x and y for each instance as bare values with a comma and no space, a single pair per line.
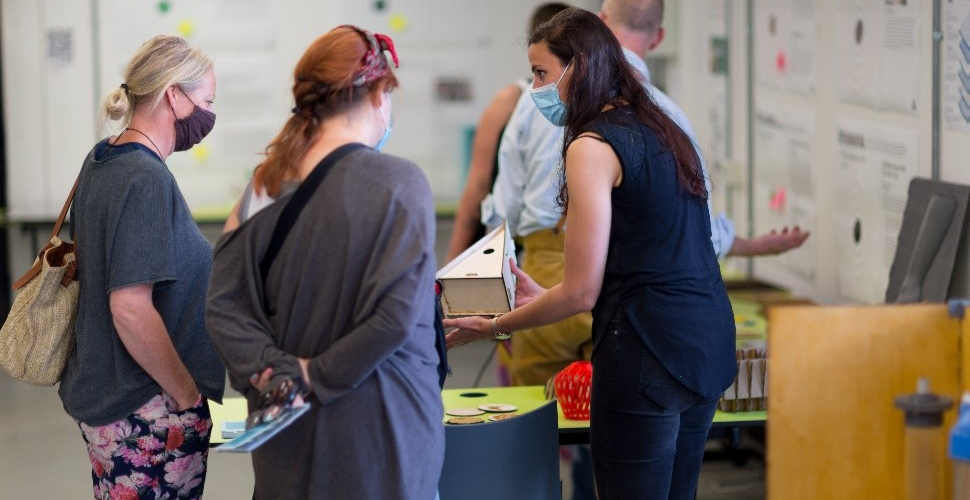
125,86
295,110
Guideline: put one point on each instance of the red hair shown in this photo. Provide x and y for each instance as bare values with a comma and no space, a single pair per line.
337,71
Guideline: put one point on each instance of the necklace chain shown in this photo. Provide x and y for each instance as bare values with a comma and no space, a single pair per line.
149,140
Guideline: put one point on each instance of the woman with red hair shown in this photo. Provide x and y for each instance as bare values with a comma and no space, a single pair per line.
328,312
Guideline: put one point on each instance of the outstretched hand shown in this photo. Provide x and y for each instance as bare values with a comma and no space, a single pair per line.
773,243
776,242
469,329
526,289
475,328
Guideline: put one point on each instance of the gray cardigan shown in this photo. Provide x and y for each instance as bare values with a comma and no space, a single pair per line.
347,290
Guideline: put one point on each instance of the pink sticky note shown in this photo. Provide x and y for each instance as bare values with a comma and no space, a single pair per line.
777,203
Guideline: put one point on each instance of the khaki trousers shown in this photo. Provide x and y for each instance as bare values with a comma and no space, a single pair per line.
538,354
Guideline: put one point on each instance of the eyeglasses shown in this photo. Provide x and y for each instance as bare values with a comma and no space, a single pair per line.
273,404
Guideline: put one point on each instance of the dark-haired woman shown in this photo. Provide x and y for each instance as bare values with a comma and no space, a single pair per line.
338,309
638,255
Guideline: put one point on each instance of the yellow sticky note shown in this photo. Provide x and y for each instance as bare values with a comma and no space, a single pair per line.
398,23
200,152
186,28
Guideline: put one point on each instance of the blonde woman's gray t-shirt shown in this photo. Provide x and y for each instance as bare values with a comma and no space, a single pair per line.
132,226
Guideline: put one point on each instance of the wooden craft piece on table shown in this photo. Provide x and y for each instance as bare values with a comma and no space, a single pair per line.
744,383
749,390
757,400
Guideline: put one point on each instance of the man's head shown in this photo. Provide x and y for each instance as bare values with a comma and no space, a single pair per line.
638,24
543,13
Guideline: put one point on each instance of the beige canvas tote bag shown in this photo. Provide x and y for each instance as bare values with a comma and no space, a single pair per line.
38,335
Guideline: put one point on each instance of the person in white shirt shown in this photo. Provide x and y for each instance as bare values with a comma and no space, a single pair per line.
484,160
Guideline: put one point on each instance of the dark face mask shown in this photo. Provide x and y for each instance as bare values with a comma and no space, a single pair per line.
190,130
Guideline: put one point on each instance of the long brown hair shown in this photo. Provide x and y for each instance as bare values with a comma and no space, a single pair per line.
602,76
337,71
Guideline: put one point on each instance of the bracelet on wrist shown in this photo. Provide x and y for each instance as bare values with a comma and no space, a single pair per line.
496,334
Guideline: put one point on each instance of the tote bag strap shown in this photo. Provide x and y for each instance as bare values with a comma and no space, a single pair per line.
291,212
65,208
35,269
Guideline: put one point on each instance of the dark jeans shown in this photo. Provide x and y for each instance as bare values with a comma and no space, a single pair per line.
647,431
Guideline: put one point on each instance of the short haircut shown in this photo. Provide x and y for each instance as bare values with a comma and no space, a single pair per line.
544,12
637,15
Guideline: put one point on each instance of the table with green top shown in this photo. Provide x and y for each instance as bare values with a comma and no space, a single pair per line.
528,398
525,399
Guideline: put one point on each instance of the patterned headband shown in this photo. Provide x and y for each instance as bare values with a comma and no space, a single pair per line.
374,64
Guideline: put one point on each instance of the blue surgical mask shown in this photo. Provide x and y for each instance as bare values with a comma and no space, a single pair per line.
548,101
387,131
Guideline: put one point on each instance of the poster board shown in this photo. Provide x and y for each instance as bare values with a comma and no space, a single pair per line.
830,119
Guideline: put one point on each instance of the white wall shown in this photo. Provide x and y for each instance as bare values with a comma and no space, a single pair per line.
51,102
48,101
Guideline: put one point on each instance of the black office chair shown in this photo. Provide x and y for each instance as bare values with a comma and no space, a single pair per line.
514,458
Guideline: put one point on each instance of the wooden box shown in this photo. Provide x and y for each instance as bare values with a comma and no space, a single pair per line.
479,282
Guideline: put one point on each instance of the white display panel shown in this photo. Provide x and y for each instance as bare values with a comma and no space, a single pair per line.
786,49
877,48
875,164
785,184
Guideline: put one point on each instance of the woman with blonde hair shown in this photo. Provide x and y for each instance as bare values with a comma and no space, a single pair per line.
334,308
143,366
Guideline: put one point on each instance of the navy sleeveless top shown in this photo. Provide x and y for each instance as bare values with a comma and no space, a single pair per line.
661,270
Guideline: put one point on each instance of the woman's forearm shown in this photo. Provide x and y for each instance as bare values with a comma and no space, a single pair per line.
144,335
556,304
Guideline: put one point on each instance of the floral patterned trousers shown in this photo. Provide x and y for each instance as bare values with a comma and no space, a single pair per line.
155,453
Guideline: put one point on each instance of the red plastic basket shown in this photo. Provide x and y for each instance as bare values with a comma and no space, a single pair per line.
573,386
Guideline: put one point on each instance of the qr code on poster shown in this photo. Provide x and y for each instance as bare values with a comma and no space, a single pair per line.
60,46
